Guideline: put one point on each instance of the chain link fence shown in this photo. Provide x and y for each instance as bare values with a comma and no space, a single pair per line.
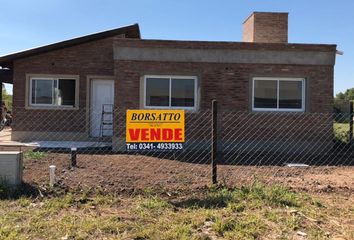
268,146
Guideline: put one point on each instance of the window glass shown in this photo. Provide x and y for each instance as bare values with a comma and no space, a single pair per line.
265,93
170,91
66,92
290,94
157,92
42,91
55,92
182,92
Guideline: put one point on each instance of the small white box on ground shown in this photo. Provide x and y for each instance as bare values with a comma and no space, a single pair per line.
11,168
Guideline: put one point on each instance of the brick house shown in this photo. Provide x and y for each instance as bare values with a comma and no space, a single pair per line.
263,73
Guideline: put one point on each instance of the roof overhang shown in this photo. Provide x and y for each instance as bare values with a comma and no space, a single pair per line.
131,31
6,76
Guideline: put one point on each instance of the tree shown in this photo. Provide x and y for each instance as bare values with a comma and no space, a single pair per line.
7,98
341,104
346,96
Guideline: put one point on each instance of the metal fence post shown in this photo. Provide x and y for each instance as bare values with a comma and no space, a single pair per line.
351,115
73,157
214,144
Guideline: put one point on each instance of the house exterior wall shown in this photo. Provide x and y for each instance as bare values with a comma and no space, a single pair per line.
226,78
89,59
228,81
231,84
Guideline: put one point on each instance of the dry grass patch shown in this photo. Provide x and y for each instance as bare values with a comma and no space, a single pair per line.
252,212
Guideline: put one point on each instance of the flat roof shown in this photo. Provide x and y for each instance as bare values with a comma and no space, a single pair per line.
187,44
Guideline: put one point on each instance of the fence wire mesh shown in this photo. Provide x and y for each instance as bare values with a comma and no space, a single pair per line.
268,146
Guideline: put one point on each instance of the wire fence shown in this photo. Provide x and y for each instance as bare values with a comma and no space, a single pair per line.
269,146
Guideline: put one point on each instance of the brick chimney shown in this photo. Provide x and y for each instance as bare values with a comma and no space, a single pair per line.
266,27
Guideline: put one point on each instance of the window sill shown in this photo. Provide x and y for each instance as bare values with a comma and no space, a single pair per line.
279,110
187,109
51,108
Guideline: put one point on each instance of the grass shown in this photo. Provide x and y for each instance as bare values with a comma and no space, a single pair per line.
249,212
34,155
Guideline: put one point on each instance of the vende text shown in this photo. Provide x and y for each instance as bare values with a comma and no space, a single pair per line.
156,134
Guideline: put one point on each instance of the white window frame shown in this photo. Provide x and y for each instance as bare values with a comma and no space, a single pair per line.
303,104
53,79
170,77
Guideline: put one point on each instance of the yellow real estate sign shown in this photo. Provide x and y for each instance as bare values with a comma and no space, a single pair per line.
155,126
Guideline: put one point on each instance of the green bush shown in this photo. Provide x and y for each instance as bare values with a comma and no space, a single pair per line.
34,155
341,132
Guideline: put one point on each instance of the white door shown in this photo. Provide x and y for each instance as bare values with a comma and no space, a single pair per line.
102,92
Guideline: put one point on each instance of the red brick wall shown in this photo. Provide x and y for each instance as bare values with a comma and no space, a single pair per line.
228,83
266,27
248,29
94,58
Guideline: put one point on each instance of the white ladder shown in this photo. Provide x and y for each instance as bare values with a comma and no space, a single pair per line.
106,120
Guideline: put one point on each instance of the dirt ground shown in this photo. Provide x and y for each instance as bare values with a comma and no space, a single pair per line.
132,173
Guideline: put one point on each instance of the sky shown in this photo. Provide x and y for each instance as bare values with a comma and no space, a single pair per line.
26,24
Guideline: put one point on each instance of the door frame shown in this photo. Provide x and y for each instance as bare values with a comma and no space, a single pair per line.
88,99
